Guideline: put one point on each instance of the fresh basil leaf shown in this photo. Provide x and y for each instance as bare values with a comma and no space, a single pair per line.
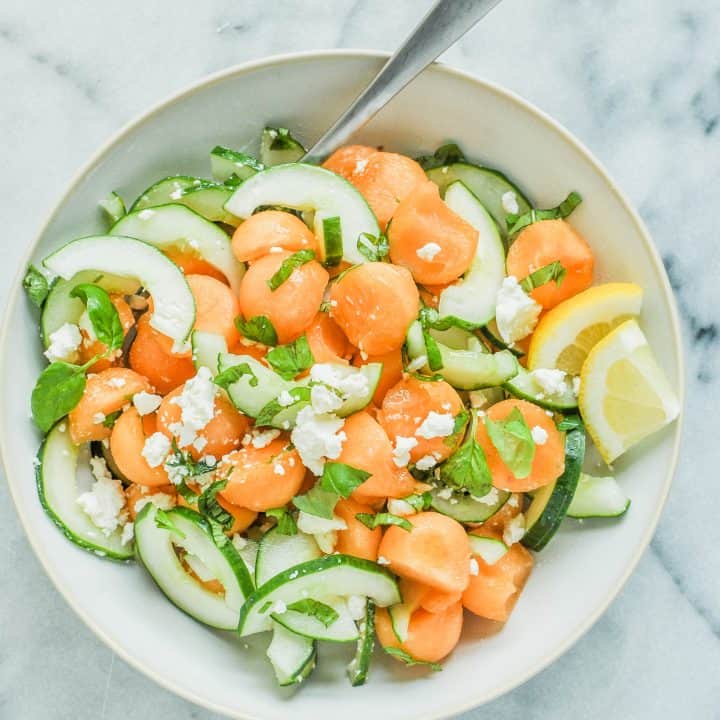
290,360
553,271
444,155
218,533
232,374
102,313
181,464
342,479
268,412
314,608
288,266
374,248
209,506
458,427
36,286
164,522
317,501
285,521
111,419
571,422
281,139
419,502
467,469
432,352
516,223
258,328
409,660
513,440
371,521
57,391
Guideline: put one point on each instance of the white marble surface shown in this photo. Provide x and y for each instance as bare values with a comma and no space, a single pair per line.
637,81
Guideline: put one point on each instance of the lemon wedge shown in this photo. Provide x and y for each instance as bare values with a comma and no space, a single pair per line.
624,395
566,334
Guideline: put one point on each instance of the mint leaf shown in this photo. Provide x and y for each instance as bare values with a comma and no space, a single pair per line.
111,419
371,521
467,468
164,522
267,414
432,352
258,328
314,608
342,479
317,501
409,660
553,271
184,465
516,223
290,360
232,374
419,502
36,286
513,441
373,248
57,391
102,313
444,155
288,266
209,506
285,521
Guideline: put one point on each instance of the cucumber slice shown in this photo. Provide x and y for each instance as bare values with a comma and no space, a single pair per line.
400,619
60,308
206,349
342,629
473,298
598,497
224,163
167,226
113,205
491,333
307,187
174,313
278,552
359,666
487,185
333,575
292,656
60,475
167,190
470,369
156,550
466,509
550,502
490,550
278,146
524,386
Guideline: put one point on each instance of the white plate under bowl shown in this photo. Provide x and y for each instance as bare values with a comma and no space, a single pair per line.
578,574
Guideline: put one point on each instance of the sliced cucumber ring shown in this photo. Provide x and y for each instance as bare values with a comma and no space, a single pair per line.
490,550
278,552
278,146
473,298
466,509
224,163
59,476
206,349
359,666
307,187
156,550
167,226
550,503
293,657
524,386
174,306
598,497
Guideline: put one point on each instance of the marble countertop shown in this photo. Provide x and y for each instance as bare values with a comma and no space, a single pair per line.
638,82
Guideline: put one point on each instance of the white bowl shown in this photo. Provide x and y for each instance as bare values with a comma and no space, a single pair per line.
576,577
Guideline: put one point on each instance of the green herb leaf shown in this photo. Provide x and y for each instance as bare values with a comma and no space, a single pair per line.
444,155
371,521
516,223
189,495
467,469
553,271
182,465
285,521
375,248
258,328
409,660
211,508
218,533
232,374
57,391
571,422
419,502
288,266
459,427
281,139
268,413
332,240
432,351
317,501
290,360
314,608
342,479
36,286
513,440
164,522
102,313
111,419
430,320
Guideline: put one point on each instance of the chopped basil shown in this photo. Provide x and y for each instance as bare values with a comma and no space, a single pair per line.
268,412
285,521
571,422
432,352
430,320
164,522
409,660
314,608
342,479
232,374
513,440
373,521
209,506
111,419
103,314
373,248
36,286
444,155
516,223
419,502
553,271
288,266
281,139
291,359
258,328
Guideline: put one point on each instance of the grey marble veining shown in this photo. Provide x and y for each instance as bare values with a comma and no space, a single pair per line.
637,81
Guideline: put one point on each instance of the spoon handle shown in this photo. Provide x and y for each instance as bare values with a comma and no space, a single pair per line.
446,22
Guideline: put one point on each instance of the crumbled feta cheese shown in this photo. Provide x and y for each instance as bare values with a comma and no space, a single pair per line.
516,313
314,525
317,437
539,435
156,449
356,606
326,541
348,384
324,400
176,194
436,425
514,530
146,214
85,324
474,567
550,381
199,443
401,451
158,499
382,560
64,343
197,405
445,493
262,438
210,460
278,469
145,402
275,249
576,385
104,503
490,499
513,501
285,399
510,203
417,364
426,462
128,533
278,607
360,166
400,507
98,418
117,382
478,399
428,251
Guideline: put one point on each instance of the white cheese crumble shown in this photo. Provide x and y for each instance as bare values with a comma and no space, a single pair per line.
382,560
356,606
128,533
278,608
317,437
159,500
285,399
550,381
348,384
539,435
146,214
145,402
324,400
417,364
514,530
314,525
509,203
104,503
117,382
490,499
199,443
474,567
516,313
326,541
64,343
400,507
401,451
262,438
85,324
197,405
436,425
156,449
426,462
428,251
98,418
445,493
278,469
360,166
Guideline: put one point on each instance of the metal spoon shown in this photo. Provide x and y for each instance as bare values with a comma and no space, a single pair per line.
446,22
